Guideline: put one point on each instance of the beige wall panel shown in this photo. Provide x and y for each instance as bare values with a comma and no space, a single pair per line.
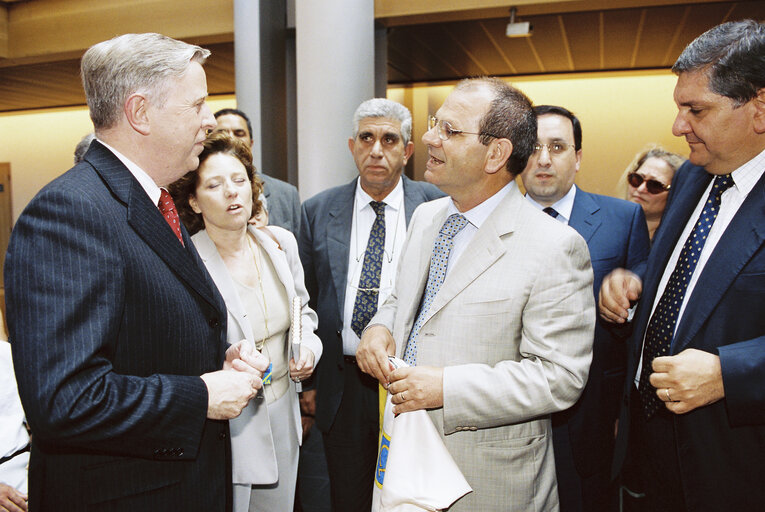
56,27
620,114
40,145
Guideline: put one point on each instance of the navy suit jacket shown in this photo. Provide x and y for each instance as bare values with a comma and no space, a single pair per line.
325,237
111,323
283,203
617,237
721,447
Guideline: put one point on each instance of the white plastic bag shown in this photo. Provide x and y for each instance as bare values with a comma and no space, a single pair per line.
415,471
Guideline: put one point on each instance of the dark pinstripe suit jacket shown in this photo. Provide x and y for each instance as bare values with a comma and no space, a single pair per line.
111,322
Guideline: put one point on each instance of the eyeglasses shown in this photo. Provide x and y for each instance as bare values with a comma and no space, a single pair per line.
445,130
652,186
554,148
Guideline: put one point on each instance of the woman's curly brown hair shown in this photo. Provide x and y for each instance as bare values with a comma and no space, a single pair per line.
186,187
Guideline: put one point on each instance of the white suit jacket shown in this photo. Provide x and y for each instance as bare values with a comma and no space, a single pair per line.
512,327
252,446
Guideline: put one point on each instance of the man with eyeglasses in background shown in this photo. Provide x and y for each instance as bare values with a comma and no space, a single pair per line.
616,235
350,241
492,307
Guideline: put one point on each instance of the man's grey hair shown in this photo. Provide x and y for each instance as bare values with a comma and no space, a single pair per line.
113,70
82,147
731,55
381,107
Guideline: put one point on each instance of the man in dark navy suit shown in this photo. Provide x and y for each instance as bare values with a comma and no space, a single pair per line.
112,317
616,235
694,404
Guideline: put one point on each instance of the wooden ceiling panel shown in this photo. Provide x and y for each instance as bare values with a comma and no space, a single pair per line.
608,37
421,54
550,44
753,10
658,35
620,29
583,30
475,41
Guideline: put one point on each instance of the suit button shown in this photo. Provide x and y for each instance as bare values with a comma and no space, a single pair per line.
222,435
339,334
214,322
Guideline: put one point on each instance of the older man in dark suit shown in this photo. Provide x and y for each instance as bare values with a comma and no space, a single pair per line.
694,407
344,231
112,316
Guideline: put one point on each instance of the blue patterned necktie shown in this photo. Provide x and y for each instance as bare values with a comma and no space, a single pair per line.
438,263
661,327
365,306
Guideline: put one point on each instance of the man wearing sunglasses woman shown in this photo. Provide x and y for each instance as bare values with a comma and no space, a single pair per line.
616,235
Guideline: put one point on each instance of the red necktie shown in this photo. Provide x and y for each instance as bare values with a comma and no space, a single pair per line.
167,208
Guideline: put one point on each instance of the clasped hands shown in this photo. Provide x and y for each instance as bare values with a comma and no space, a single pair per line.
412,388
230,390
685,381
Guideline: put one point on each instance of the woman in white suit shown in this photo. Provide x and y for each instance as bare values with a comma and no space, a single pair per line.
258,272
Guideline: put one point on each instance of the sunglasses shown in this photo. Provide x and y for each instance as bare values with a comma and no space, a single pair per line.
652,186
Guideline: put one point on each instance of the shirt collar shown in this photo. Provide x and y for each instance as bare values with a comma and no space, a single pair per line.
392,200
746,176
148,185
564,206
479,213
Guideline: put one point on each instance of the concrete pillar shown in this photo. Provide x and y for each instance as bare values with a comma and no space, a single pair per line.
335,58
247,68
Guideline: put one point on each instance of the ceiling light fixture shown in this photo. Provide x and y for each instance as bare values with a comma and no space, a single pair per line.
518,28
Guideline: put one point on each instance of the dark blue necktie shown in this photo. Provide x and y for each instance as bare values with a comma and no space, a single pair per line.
661,328
551,212
439,261
365,306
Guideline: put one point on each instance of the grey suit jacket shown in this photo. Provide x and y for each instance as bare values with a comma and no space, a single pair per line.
324,243
512,327
283,203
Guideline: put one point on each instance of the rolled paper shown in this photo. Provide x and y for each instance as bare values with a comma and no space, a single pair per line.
296,331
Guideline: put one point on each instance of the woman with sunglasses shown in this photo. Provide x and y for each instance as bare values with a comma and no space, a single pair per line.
648,180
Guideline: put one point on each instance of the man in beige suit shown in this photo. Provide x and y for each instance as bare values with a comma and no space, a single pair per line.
493,304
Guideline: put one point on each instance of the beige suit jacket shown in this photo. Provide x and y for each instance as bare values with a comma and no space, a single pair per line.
512,326
252,446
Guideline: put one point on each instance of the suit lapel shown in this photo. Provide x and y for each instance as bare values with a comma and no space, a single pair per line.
482,252
412,198
338,239
743,236
220,275
689,189
585,215
145,218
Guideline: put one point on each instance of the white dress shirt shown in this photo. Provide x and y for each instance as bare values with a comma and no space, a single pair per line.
151,188
744,179
476,217
395,234
13,434
564,206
